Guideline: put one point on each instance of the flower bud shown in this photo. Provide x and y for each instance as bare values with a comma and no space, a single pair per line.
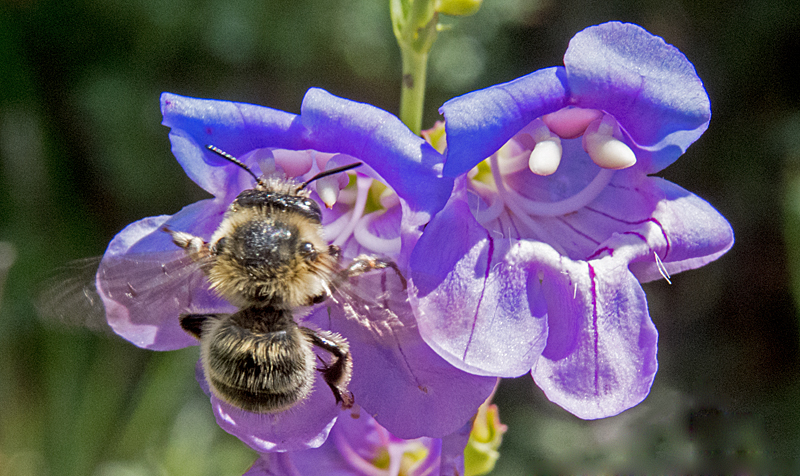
462,8
481,453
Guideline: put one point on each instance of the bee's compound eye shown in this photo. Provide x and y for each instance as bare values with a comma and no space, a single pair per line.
219,246
308,251
313,207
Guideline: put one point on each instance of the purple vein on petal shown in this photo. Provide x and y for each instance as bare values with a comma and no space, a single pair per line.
636,234
577,231
407,365
666,237
483,291
385,292
638,222
594,327
601,251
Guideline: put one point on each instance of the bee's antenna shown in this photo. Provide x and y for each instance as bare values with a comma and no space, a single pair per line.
234,160
325,173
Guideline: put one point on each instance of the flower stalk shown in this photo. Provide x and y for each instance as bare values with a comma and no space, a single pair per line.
412,95
415,26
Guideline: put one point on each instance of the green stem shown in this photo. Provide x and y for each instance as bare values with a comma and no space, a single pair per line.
414,23
412,94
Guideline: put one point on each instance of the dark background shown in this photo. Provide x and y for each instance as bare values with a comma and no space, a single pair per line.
82,154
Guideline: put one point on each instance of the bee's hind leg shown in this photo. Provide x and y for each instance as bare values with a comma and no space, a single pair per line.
336,374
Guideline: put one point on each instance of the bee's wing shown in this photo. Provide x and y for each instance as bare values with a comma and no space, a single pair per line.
69,296
377,300
145,284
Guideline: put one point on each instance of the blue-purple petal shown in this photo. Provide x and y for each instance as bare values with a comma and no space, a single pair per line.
409,389
303,426
236,128
275,464
452,458
480,122
696,233
405,161
476,309
600,357
146,281
647,85
486,296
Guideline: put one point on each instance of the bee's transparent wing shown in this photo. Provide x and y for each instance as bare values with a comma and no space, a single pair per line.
146,284
377,300
69,296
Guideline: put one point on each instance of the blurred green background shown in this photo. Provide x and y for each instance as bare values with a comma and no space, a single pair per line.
82,154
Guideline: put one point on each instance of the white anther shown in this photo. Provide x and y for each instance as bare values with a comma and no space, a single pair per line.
604,149
266,162
328,188
545,157
546,154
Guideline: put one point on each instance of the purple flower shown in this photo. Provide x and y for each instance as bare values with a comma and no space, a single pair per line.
358,445
547,243
146,285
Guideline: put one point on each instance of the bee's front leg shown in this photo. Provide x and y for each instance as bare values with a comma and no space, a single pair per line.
364,263
194,245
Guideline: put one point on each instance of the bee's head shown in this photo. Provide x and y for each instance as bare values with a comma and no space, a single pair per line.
269,251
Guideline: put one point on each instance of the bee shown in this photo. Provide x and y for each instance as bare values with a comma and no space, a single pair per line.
267,257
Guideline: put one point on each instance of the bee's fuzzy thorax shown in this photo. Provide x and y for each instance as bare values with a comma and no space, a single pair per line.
285,277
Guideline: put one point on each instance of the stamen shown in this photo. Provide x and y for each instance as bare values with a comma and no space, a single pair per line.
396,452
266,162
362,185
511,201
487,195
347,196
366,239
661,268
562,207
328,187
335,228
509,164
604,149
545,157
546,154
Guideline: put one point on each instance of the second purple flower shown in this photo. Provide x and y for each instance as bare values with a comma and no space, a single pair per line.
548,238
